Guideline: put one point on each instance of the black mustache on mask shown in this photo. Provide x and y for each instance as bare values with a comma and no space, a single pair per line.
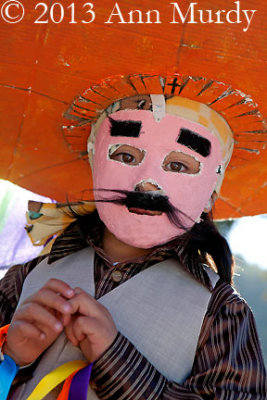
150,200
145,200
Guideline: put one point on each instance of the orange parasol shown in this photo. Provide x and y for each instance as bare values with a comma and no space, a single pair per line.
44,66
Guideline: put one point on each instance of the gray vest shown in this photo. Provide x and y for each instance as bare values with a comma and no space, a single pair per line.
160,310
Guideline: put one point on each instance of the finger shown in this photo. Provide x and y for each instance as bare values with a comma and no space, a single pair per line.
50,299
84,326
28,330
85,304
33,312
78,290
65,319
94,328
60,287
70,334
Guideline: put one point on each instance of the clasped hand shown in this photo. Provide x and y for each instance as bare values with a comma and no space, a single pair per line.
56,307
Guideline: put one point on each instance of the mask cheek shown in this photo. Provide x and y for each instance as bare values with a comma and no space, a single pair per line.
190,193
111,174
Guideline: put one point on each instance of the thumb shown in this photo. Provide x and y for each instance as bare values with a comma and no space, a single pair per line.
78,290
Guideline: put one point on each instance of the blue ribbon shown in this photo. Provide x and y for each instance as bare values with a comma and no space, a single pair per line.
8,371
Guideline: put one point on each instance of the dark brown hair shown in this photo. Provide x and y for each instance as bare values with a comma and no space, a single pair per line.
203,241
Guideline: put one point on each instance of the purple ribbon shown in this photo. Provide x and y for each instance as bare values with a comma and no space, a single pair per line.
79,384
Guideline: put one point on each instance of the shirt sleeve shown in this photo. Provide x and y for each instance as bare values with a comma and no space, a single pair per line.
11,286
228,362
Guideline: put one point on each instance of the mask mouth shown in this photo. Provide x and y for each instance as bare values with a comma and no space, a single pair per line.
142,211
150,203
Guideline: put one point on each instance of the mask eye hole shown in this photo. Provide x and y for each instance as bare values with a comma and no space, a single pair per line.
126,154
181,163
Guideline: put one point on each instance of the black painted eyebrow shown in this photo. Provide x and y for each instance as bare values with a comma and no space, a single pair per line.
194,142
125,128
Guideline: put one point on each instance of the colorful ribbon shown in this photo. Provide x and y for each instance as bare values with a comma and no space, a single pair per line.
64,394
8,371
75,373
3,333
8,367
54,378
79,384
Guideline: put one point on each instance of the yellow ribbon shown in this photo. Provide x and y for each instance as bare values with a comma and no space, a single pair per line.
54,378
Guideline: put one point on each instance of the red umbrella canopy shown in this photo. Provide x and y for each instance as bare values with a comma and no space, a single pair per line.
44,66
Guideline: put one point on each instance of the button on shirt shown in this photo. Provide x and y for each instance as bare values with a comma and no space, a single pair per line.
116,275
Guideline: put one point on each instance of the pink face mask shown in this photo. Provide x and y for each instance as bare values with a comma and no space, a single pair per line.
175,157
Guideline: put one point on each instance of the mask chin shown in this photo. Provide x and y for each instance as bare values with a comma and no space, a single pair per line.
140,231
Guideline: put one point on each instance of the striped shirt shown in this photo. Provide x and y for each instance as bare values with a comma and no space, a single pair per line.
228,362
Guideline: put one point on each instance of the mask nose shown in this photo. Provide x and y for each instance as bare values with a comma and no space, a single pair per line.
147,186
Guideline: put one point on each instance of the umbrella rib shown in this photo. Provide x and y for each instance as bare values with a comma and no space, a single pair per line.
37,171
237,210
181,43
30,90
